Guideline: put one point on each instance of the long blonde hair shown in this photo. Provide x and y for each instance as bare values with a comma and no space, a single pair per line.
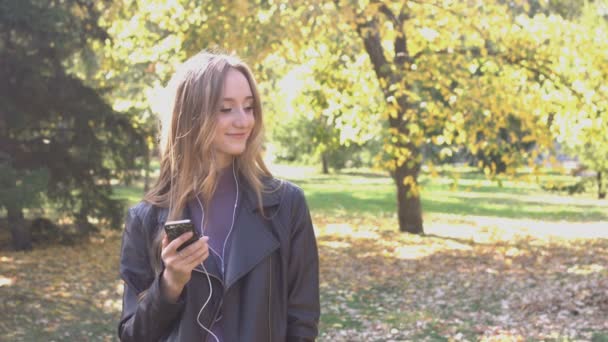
188,165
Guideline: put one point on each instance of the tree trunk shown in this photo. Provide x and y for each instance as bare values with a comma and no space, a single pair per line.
128,179
22,239
325,163
391,73
409,208
601,193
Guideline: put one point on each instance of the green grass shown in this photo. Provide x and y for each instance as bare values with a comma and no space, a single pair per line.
373,193
600,337
471,194
129,194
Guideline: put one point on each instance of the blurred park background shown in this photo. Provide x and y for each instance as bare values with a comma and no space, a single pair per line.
454,155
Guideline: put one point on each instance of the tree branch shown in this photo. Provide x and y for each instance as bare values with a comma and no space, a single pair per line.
401,53
368,31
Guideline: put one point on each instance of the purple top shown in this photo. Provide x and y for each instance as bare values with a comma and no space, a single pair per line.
218,217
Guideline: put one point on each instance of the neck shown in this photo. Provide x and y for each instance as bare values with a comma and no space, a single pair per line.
224,161
222,169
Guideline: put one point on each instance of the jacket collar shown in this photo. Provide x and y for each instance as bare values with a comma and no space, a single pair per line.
252,241
271,193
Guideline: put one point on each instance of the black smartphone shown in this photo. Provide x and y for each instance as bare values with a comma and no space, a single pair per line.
176,228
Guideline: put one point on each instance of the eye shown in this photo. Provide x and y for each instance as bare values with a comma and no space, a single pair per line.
249,108
226,110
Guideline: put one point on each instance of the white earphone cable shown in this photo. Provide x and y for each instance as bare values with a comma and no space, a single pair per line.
198,317
221,257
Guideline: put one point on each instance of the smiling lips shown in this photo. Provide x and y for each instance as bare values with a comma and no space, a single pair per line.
237,135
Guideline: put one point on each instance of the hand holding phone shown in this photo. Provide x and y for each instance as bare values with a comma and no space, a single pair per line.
174,229
179,266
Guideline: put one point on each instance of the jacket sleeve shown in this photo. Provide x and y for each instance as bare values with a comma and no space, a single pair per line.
303,308
145,316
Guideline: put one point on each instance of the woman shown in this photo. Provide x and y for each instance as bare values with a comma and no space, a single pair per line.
253,276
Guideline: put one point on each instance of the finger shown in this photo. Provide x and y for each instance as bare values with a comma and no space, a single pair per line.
189,255
164,251
197,258
194,251
174,245
204,256
195,246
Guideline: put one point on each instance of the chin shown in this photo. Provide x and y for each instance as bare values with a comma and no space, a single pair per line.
237,151
233,150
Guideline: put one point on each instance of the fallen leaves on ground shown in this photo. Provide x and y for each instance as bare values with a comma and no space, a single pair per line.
62,293
466,280
380,285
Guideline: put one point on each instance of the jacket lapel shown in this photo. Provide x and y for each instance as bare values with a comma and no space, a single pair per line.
252,240
251,243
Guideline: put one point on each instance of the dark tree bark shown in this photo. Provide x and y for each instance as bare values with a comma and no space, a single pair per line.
325,163
22,239
409,206
393,72
601,193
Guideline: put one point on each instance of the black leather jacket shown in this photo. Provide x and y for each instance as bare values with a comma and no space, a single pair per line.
270,291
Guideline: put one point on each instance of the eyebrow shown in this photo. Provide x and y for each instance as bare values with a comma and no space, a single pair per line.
231,99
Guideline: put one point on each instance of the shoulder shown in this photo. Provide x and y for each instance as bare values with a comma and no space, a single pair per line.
293,192
140,210
293,211
143,215
283,190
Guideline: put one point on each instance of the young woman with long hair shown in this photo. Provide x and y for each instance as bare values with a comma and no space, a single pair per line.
253,274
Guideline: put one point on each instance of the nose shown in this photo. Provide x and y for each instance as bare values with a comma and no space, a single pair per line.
242,119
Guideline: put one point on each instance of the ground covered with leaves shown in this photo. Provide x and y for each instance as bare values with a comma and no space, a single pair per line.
497,263
467,279
464,281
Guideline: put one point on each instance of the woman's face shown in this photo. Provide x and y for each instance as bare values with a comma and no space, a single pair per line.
235,119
